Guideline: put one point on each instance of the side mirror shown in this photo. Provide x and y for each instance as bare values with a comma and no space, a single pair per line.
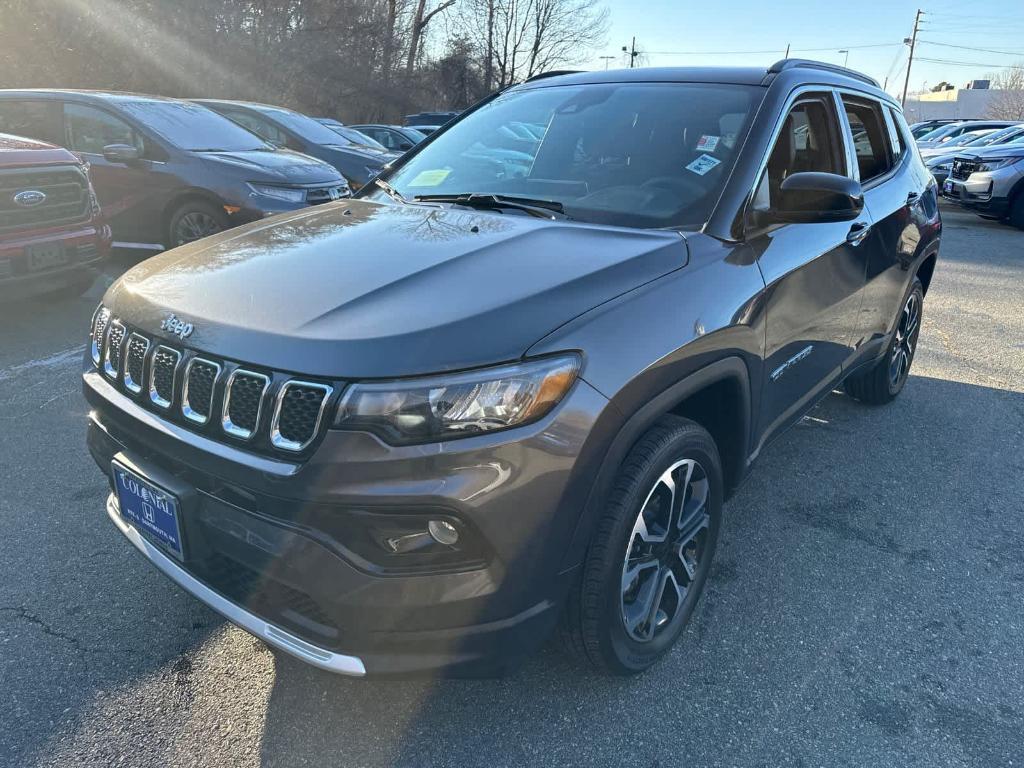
120,153
811,197
405,146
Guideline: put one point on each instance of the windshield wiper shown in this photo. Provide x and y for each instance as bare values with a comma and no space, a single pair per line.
535,207
390,191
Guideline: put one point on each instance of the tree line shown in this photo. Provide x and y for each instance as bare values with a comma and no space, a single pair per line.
354,60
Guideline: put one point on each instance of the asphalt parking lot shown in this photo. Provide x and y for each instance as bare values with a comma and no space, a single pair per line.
867,607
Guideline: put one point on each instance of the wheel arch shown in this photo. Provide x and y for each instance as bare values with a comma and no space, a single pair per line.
182,197
926,270
716,396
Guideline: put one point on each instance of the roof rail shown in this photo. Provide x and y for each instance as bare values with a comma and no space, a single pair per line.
553,73
784,64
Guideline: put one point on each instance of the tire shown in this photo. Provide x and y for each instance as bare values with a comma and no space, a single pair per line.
1016,214
194,220
885,379
608,617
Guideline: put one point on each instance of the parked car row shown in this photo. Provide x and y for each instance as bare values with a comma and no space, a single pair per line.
978,164
164,172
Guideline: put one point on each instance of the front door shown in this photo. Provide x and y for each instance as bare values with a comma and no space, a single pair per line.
814,273
130,194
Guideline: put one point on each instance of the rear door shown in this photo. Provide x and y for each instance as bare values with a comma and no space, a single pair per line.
129,195
814,273
893,188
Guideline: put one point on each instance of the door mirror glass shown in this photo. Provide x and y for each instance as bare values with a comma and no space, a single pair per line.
120,153
816,197
405,145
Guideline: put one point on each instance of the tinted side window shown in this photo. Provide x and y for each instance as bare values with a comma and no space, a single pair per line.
90,130
897,133
870,140
32,119
809,141
262,128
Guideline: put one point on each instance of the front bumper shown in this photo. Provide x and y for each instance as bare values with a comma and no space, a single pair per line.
986,192
266,543
85,248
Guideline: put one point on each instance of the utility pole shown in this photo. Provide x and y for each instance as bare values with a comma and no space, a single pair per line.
787,51
632,52
913,42
606,59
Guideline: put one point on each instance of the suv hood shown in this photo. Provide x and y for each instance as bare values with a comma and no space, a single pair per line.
359,289
282,165
1001,150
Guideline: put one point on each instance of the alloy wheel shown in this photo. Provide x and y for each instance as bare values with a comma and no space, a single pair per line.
195,225
666,550
906,341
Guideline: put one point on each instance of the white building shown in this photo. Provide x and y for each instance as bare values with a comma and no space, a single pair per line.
963,103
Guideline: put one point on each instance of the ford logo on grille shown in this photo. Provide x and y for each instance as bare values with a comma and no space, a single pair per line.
177,326
28,198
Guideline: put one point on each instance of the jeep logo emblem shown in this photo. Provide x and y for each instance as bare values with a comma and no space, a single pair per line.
28,198
178,327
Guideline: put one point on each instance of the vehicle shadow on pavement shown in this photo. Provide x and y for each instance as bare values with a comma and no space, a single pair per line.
865,601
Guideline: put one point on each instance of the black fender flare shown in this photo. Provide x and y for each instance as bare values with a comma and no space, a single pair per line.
643,418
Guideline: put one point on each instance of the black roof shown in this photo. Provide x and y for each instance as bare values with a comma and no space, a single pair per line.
794,70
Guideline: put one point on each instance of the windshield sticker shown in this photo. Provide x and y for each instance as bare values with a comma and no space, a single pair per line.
430,178
703,164
707,143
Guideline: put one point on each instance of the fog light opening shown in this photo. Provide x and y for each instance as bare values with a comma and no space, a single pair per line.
443,532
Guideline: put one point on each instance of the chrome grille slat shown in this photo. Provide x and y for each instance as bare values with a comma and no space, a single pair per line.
243,402
135,362
113,348
198,390
162,370
67,197
100,319
298,411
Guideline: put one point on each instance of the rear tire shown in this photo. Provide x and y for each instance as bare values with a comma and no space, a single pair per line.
649,557
885,379
194,220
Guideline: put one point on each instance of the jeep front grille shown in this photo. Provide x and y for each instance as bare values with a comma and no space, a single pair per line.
272,412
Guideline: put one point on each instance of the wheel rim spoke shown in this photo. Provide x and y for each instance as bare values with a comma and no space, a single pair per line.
665,549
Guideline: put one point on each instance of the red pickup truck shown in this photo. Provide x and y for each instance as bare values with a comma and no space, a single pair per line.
52,234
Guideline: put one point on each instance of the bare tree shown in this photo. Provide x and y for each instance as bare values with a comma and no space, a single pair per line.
1008,95
420,20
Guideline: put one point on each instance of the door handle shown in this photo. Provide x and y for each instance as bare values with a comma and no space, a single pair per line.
858,232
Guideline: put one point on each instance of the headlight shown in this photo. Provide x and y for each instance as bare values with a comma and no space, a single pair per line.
459,405
995,163
289,194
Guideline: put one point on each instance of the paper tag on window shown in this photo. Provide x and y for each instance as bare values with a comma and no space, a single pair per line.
429,178
703,164
707,143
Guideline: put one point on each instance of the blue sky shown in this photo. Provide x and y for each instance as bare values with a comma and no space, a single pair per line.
664,26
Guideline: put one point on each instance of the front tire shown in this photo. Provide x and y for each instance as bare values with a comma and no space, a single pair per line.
194,220
648,561
884,380
1016,215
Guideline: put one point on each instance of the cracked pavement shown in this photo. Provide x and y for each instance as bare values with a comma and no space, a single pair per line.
866,607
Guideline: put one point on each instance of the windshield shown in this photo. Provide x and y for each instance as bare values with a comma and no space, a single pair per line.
968,138
631,154
997,137
413,135
193,127
306,127
355,137
938,133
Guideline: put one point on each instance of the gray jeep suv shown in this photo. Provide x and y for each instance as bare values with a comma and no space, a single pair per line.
513,383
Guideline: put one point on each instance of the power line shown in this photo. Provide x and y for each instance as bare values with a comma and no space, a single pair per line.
973,48
971,63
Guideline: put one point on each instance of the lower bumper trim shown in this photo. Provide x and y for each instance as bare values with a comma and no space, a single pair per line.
269,633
